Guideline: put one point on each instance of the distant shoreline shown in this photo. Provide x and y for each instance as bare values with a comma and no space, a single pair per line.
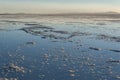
57,14
114,15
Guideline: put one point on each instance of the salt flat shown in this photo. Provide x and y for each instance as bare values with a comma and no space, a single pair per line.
60,46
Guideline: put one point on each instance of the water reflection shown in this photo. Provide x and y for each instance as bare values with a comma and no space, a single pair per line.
66,50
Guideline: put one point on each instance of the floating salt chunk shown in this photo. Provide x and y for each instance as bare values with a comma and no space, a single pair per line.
109,38
114,50
81,45
5,79
78,34
118,77
61,32
64,65
46,31
43,37
46,55
14,23
114,61
93,48
8,79
110,72
30,71
43,49
10,55
91,64
109,67
30,43
53,41
72,75
100,24
71,71
12,67
17,68
31,24
23,57
41,76
62,48
70,41
52,36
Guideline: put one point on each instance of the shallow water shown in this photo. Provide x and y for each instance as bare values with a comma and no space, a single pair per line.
59,48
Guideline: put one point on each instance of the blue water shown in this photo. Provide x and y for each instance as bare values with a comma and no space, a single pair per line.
49,58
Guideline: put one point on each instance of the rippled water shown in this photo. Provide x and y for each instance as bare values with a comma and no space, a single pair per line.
59,47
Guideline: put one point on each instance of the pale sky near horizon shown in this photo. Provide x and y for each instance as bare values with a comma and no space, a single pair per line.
58,6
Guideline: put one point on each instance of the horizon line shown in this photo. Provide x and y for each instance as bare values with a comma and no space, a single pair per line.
107,12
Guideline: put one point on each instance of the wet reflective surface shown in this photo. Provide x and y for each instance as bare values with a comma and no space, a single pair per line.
35,47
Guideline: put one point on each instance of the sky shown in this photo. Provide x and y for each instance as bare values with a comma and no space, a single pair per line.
58,6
